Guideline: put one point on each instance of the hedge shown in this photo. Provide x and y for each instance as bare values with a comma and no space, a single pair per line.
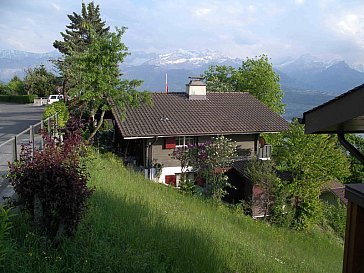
18,99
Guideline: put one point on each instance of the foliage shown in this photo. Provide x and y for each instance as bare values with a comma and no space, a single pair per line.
15,86
133,225
187,186
5,226
18,98
258,78
262,173
219,78
4,90
311,160
255,75
60,108
282,213
356,167
209,161
40,82
334,215
52,185
94,74
77,35
77,38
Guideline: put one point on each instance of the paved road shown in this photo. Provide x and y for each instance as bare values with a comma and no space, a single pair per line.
14,118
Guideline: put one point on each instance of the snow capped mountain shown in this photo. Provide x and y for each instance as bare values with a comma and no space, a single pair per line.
185,59
15,62
309,72
17,54
358,67
304,62
305,72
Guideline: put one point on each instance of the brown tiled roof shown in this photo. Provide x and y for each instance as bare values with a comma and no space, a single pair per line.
174,114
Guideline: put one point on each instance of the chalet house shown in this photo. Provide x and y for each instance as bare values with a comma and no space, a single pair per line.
150,133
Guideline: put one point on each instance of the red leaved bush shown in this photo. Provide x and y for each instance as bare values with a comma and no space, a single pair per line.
52,184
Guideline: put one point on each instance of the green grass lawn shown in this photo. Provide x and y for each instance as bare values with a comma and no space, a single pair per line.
134,225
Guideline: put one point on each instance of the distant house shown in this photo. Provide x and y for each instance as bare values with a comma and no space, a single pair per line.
149,133
332,192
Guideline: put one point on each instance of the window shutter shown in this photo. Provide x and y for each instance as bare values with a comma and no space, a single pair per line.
170,143
170,180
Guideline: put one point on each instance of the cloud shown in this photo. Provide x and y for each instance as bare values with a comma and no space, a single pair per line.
350,24
202,11
238,28
300,2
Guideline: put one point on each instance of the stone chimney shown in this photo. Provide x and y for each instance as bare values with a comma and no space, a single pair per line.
196,89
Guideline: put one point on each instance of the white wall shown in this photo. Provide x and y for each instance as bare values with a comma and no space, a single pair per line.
165,171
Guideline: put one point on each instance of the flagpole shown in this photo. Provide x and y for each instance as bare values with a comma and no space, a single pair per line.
166,83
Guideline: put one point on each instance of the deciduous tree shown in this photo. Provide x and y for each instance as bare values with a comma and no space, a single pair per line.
255,75
209,161
356,167
95,80
77,38
312,160
40,82
90,66
15,86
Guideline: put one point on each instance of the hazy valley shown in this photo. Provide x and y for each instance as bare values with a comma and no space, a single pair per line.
306,81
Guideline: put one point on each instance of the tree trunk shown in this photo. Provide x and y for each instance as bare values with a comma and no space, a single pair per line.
98,126
38,212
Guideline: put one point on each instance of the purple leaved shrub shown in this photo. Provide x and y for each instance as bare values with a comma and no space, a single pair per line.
52,184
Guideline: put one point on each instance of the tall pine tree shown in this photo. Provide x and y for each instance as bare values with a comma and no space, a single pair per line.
77,35
89,65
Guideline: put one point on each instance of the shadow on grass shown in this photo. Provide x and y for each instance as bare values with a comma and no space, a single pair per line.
124,235
127,236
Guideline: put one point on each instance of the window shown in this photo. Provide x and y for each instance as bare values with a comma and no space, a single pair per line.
189,175
170,180
185,141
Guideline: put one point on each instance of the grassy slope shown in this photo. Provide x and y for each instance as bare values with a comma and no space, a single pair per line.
134,225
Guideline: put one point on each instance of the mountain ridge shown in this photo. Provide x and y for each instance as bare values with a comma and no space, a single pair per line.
305,72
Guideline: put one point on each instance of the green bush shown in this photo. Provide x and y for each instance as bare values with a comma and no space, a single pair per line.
5,226
18,99
334,215
60,108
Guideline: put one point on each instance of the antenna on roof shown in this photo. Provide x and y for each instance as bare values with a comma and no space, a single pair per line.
166,83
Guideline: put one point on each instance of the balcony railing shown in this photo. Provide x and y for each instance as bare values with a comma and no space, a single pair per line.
265,152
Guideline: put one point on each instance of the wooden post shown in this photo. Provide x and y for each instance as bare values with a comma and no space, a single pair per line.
49,125
15,150
31,138
41,130
354,235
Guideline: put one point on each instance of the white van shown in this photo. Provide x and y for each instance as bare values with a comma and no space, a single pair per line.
54,98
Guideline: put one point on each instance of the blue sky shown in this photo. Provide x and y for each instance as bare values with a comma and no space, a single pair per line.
329,29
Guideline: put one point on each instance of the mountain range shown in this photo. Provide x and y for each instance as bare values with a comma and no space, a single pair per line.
306,81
